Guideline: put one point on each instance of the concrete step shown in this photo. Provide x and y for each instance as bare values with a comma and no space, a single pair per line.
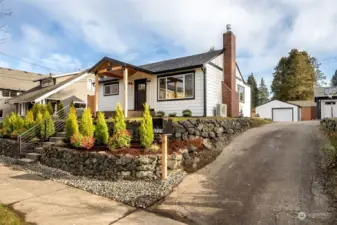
56,139
61,134
38,150
33,156
25,161
47,144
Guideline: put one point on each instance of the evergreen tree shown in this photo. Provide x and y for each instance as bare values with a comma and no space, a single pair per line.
60,112
119,123
38,121
263,94
294,77
71,126
50,108
29,119
334,79
47,126
146,128
36,110
254,90
101,130
319,75
86,126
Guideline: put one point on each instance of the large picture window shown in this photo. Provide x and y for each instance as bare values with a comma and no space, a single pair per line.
111,89
176,87
241,93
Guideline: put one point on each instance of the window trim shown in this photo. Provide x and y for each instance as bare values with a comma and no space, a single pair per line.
92,86
244,91
175,74
5,90
116,82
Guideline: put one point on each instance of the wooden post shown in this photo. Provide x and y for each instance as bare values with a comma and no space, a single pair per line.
95,109
125,81
164,157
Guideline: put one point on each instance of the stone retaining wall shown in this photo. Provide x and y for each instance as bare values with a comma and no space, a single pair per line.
9,148
329,124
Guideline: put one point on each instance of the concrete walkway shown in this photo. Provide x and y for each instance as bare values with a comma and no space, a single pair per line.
47,202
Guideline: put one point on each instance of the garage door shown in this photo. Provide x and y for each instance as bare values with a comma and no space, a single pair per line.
282,114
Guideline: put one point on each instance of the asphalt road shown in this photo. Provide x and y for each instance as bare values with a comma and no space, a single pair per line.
267,175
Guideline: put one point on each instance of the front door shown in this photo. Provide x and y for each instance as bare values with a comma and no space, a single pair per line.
140,94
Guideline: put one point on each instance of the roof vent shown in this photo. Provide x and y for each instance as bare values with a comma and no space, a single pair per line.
229,27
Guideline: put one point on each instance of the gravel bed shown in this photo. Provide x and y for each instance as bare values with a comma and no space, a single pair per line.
140,194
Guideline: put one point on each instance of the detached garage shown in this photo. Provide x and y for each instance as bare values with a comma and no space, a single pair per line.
279,111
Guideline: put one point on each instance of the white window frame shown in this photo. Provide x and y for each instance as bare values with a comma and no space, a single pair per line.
110,84
90,83
176,75
240,86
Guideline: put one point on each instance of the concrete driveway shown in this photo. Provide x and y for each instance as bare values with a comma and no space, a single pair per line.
46,202
267,175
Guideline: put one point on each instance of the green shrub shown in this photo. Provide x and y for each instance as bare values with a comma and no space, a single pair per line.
153,148
47,126
76,140
86,126
257,122
14,135
29,119
172,114
187,113
121,139
119,120
101,130
38,108
88,142
50,108
13,122
60,112
80,141
4,132
38,121
146,128
160,114
71,126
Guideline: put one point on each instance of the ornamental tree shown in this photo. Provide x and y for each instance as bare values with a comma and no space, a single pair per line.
119,123
50,108
71,126
86,126
47,125
146,128
101,130
29,119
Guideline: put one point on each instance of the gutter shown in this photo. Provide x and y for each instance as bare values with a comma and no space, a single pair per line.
205,90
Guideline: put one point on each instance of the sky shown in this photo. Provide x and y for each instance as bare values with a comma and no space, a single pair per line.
71,35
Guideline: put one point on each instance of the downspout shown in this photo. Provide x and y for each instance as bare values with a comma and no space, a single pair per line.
205,90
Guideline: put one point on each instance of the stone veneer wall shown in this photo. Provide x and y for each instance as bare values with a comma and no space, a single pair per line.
9,148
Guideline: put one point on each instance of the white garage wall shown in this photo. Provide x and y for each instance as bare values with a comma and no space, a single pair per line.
265,111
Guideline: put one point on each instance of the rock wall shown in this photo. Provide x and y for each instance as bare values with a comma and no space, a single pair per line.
329,124
9,148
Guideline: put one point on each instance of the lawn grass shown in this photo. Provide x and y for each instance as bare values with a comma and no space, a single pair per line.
7,217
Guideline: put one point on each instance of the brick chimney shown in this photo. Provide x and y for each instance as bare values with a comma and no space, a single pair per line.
229,94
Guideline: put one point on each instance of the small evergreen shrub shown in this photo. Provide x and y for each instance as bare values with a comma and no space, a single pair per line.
60,112
80,141
47,126
101,130
153,148
86,126
71,126
13,122
36,110
76,140
172,115
160,114
119,123
29,119
146,128
50,108
4,132
121,139
88,142
38,121
187,113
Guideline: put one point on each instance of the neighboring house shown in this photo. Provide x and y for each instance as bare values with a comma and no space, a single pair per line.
279,111
326,102
65,88
203,83
308,109
12,84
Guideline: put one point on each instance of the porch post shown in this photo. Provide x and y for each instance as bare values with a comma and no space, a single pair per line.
125,82
96,95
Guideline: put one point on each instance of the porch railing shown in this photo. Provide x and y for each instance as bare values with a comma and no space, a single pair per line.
34,136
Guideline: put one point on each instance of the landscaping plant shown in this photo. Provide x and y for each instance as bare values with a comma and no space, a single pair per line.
160,114
76,140
86,126
29,119
121,139
50,108
187,113
60,112
119,123
13,122
88,142
172,115
38,121
47,126
146,128
101,130
71,126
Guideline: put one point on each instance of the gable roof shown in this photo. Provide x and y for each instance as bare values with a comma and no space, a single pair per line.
38,91
59,75
17,80
278,101
303,103
186,62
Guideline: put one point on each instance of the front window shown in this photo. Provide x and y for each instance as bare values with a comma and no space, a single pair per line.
111,89
176,87
13,93
5,93
241,93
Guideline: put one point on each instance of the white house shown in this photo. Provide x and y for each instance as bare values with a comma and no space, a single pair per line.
279,111
207,83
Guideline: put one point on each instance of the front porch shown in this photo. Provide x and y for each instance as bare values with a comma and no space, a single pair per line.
119,82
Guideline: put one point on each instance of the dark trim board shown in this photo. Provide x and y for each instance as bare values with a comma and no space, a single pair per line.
292,113
215,66
135,92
